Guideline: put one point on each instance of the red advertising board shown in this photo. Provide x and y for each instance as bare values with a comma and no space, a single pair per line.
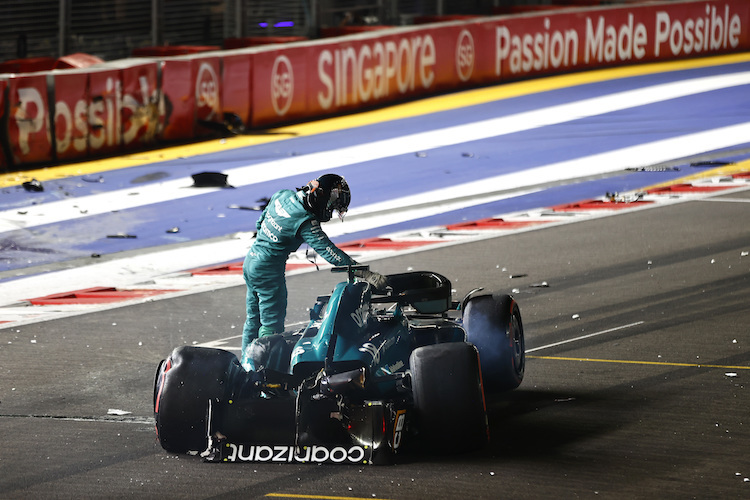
104,111
139,113
280,91
352,73
371,70
105,101
71,114
178,101
236,85
206,73
28,119
191,93
455,50
3,86
544,44
313,80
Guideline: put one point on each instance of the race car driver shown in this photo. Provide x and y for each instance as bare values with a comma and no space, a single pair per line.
289,219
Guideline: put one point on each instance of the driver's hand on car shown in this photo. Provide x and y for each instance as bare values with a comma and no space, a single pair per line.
377,280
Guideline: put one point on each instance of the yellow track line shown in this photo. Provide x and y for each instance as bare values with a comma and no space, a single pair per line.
316,497
410,109
627,362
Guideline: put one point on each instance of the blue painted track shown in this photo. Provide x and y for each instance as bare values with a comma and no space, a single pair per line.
208,215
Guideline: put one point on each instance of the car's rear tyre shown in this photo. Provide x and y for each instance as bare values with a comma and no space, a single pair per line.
448,397
184,383
493,324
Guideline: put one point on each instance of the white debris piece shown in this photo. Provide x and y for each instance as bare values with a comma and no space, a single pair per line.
113,411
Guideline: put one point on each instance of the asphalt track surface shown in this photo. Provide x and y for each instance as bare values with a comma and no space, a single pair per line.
637,342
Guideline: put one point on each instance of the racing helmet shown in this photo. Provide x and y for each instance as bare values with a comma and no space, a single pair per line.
325,194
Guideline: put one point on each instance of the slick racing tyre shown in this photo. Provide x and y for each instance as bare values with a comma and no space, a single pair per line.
448,398
493,324
184,383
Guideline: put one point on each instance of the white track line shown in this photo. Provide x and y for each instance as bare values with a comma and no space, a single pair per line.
585,337
727,200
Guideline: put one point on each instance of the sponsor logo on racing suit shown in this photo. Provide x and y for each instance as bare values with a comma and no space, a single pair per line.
286,454
268,220
281,210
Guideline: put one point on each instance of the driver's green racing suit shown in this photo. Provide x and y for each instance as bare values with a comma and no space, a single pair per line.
283,226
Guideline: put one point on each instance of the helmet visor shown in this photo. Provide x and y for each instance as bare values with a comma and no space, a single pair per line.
339,201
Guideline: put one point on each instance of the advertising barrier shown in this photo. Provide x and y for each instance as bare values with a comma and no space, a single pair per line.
177,100
141,119
28,124
3,159
105,110
279,86
122,106
358,72
377,68
71,122
191,93
598,38
236,85
105,91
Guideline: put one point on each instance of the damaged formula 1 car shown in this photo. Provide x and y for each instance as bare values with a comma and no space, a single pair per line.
373,374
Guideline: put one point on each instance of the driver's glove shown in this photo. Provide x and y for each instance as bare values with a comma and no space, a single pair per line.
377,280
